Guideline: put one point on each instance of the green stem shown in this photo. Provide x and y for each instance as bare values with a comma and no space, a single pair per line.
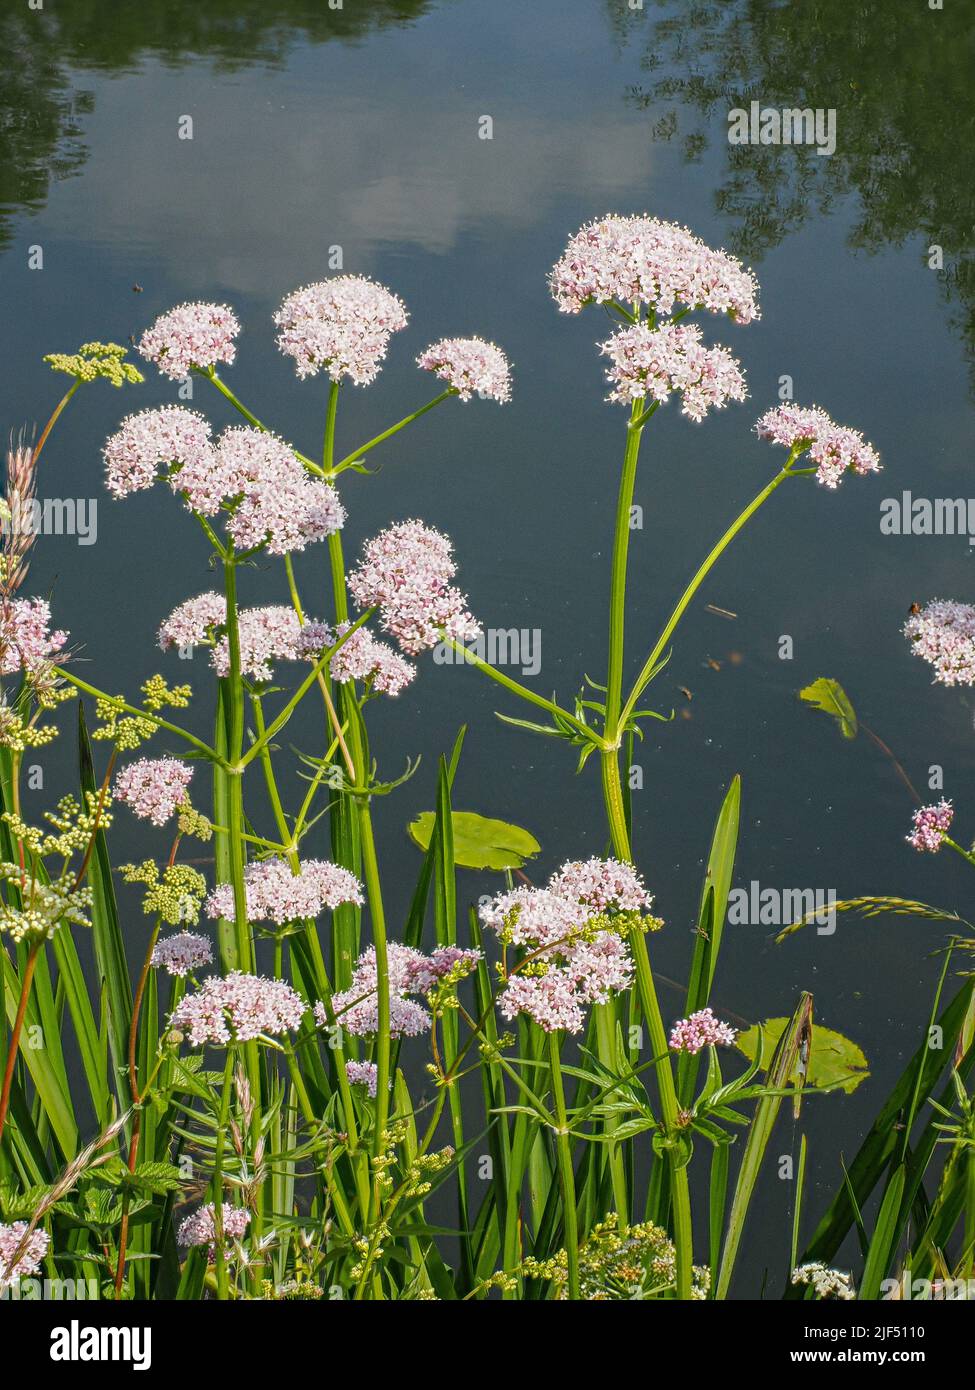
566,1174
235,740
370,869
225,391
702,572
357,454
36,451
92,690
669,1108
621,546
522,691
222,1125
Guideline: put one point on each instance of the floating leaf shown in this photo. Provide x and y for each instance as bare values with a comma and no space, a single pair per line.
829,696
479,842
833,1059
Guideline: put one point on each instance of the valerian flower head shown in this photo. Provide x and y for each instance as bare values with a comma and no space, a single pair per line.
942,633
469,366
642,260
94,360
700,1030
279,505
21,1252
266,635
652,363
27,642
175,896
199,1228
573,938
410,973
181,954
931,825
191,335
362,658
194,621
835,449
237,1008
46,906
406,572
154,788
276,894
156,443
825,1282
341,326
363,1074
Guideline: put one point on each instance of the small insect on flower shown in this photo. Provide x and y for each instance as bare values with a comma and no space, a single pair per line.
942,633
931,825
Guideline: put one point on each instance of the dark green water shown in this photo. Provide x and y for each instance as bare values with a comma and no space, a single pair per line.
359,128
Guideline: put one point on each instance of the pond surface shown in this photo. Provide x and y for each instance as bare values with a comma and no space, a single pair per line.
359,129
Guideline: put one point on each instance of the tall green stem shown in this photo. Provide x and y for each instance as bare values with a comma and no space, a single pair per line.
669,1108
702,572
566,1175
235,740
357,454
222,1123
621,547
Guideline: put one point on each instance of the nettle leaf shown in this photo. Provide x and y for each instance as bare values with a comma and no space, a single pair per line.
479,842
829,696
833,1059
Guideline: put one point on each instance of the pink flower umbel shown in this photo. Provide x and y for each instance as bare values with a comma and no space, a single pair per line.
191,335
29,1260
701,1030
406,572
572,939
153,443
275,894
410,973
154,788
658,264
602,885
931,825
655,362
26,640
362,658
943,635
180,954
835,449
279,504
237,1008
192,623
364,1074
200,1229
266,635
471,366
341,326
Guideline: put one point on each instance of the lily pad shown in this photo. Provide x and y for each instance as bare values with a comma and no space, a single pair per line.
479,841
832,1057
829,696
